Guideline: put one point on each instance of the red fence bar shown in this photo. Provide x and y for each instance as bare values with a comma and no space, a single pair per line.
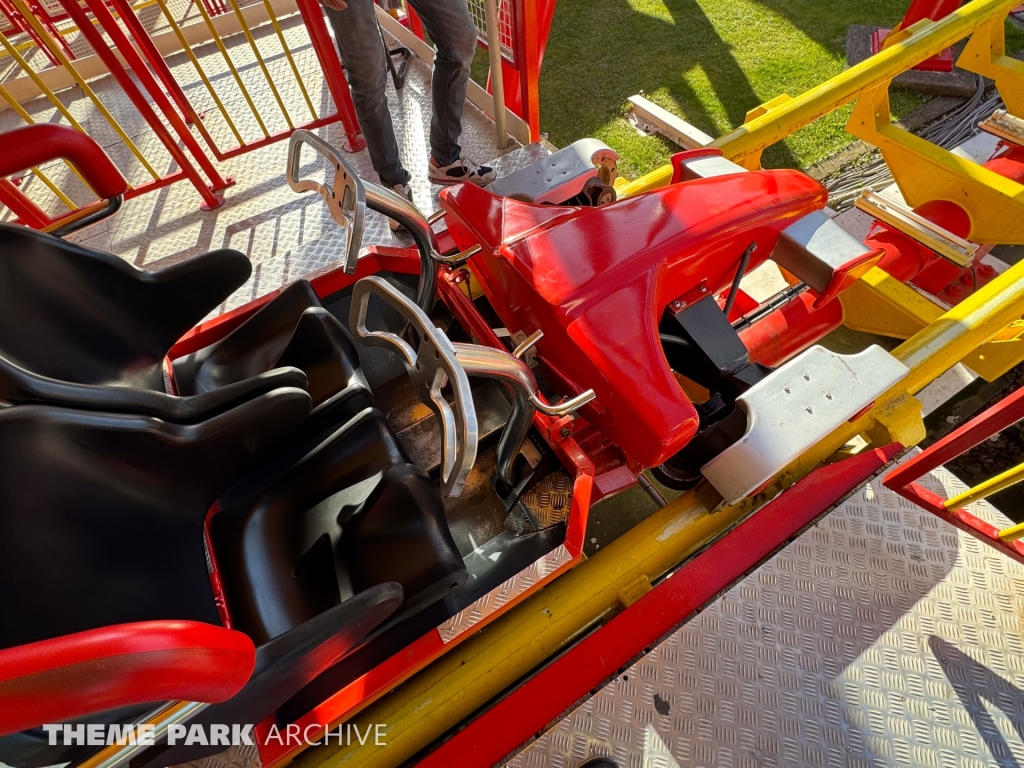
313,15
124,46
156,61
28,212
997,418
18,22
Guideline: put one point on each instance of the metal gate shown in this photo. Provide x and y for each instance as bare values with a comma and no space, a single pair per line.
204,82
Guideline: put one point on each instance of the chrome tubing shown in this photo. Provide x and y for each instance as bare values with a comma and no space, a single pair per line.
430,368
345,196
500,365
394,206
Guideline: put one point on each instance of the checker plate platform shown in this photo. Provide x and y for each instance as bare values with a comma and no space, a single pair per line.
880,637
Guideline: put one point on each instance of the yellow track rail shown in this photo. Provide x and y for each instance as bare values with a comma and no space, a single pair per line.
774,121
481,668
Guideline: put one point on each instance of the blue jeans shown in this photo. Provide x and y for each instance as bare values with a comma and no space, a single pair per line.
453,33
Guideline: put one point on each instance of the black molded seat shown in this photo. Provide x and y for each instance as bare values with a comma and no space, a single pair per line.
85,329
291,331
290,551
102,523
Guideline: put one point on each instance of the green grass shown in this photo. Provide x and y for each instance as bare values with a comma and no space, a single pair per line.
709,61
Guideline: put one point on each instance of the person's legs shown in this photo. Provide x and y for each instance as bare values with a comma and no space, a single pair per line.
362,53
452,30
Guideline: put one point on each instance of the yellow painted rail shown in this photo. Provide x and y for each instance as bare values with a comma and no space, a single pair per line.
774,121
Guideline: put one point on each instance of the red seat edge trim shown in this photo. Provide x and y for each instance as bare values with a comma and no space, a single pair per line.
76,675
34,145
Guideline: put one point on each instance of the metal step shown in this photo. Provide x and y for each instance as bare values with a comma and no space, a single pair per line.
796,406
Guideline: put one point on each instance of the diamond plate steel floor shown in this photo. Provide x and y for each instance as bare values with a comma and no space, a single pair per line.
881,637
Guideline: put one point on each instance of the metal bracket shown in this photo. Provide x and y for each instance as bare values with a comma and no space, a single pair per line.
561,175
509,369
928,233
926,172
793,408
430,367
346,197
1004,125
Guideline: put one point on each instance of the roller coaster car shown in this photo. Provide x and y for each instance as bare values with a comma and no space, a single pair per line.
282,513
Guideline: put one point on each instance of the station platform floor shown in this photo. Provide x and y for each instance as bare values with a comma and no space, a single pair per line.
880,637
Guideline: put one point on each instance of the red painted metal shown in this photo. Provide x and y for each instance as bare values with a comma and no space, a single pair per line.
572,677
790,330
1004,414
55,680
920,10
596,281
127,83
527,40
155,59
21,26
36,144
327,54
531,25
28,213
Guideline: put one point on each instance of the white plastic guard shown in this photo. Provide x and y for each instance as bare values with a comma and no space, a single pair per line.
794,408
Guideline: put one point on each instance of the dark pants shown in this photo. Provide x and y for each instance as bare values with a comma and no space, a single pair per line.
453,33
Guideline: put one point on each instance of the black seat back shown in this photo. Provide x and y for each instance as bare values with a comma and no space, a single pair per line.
101,516
290,550
79,315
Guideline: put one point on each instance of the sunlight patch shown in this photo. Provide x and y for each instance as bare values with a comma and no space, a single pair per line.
656,9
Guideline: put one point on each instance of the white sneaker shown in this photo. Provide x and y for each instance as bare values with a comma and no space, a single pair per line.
459,171
404,191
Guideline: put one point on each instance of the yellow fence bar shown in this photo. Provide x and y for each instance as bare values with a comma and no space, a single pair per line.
176,28
983,490
1013,533
260,61
231,66
39,84
481,668
66,63
54,188
784,116
291,60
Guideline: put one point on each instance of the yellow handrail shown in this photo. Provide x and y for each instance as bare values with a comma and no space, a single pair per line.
983,490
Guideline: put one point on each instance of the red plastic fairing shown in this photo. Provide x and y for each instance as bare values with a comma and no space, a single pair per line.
37,144
596,281
54,680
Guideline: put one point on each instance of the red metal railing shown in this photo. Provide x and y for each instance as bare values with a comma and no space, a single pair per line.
161,101
902,480
528,30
